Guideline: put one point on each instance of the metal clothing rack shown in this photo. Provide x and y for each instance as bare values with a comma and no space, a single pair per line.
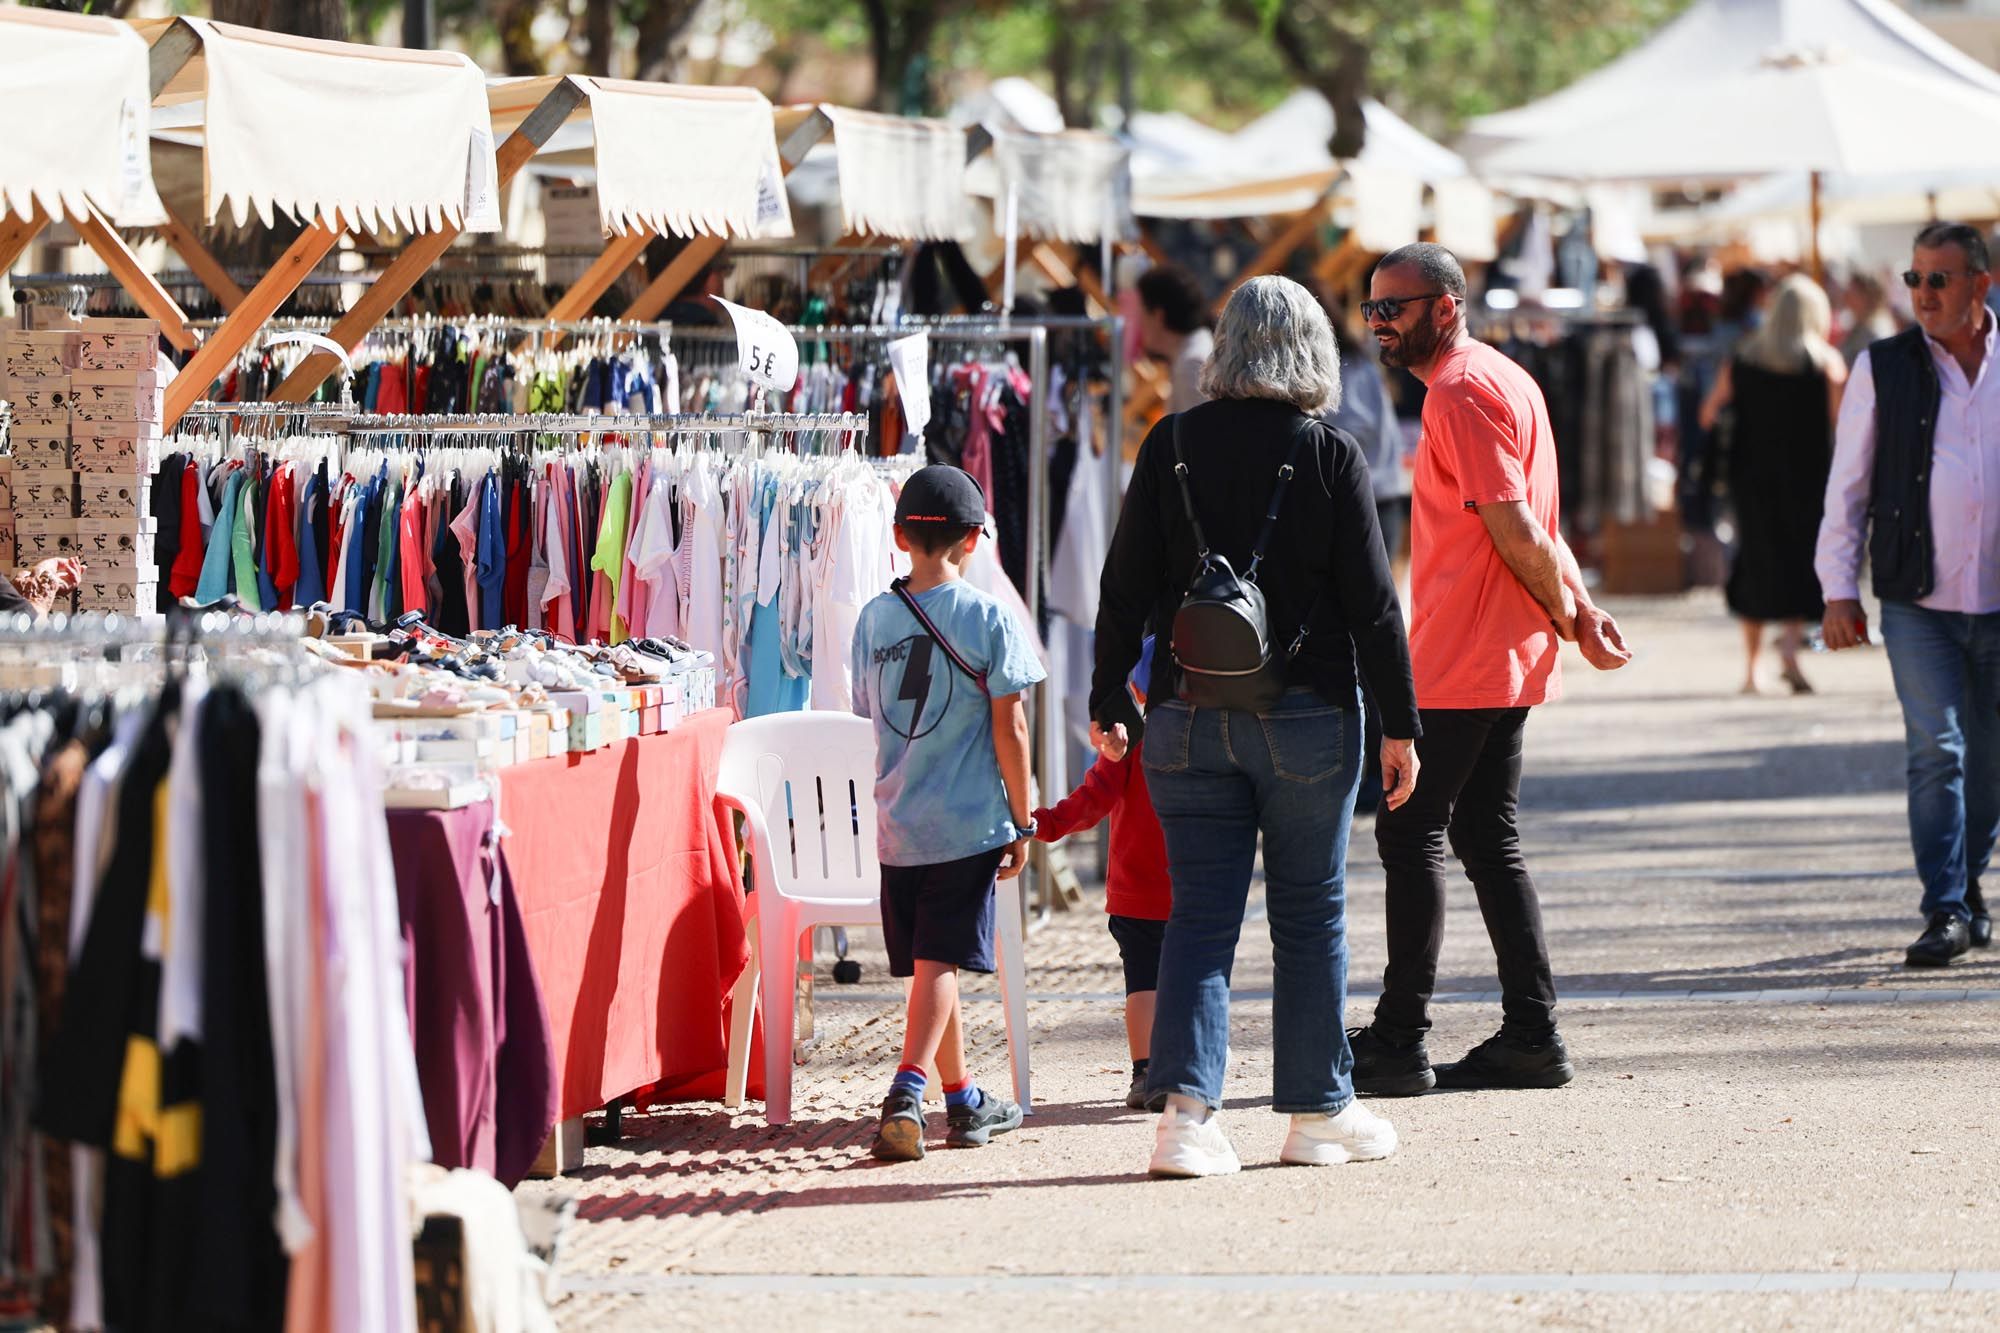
780,423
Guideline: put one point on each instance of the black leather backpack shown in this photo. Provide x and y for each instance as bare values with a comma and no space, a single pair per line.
1222,634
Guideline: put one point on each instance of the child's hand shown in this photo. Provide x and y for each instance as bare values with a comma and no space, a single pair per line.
1040,819
1014,860
1114,744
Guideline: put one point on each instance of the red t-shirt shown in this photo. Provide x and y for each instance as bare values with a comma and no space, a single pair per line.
1137,883
1478,638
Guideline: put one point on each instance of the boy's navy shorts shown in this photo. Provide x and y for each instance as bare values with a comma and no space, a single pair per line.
1139,942
940,913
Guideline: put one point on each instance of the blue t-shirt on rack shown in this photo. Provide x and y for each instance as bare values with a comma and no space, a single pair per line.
492,555
938,792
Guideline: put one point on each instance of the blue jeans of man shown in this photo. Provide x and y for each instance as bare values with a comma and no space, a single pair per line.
1947,671
1218,779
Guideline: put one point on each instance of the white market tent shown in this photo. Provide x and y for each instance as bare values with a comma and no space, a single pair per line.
1743,88
1280,163
1719,38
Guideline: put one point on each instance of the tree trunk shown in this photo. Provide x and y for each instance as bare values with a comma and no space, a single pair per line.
521,54
296,18
899,36
661,28
1334,65
599,33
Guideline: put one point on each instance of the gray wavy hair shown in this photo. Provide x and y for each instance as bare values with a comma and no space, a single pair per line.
1274,341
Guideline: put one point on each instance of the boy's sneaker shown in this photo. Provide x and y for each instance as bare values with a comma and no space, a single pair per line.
1184,1147
975,1126
900,1136
1504,1061
1385,1069
1135,1096
1356,1134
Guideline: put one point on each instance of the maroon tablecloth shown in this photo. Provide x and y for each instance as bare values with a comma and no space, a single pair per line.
485,1055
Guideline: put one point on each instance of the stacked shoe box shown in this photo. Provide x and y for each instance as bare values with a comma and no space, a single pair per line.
41,477
117,405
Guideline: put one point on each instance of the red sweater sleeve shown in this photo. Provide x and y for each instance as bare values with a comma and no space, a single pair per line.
186,571
1087,806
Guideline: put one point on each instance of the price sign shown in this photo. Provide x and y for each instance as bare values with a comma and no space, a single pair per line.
910,358
765,347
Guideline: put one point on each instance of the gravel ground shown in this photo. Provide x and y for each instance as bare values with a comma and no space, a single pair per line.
1775,1125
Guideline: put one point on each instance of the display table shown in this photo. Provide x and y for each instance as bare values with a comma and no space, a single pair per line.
633,911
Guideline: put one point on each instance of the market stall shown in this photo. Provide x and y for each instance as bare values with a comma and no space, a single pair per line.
341,136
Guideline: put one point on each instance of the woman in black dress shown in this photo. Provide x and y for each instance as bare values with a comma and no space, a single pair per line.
1782,388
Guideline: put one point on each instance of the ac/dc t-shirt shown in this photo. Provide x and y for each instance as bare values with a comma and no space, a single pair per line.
938,792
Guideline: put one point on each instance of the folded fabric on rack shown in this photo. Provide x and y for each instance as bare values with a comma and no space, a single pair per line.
687,161
900,176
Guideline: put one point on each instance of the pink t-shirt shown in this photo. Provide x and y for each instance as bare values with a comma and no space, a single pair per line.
1478,638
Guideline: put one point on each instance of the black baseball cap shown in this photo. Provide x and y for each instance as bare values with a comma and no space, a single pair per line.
941,496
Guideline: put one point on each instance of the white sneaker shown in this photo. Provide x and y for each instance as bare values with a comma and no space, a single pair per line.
1355,1135
1185,1147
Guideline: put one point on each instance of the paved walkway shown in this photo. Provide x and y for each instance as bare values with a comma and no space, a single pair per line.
1774,1125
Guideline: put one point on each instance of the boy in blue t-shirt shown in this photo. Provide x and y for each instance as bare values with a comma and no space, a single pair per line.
951,792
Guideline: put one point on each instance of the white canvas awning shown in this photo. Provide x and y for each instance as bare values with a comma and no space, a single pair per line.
1068,184
355,136
900,176
73,97
671,159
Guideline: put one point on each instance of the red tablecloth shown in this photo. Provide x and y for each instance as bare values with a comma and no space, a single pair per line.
633,911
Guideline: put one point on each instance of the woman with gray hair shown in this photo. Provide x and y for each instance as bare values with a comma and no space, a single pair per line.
1219,777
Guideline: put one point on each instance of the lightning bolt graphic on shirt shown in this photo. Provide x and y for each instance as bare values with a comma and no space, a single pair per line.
917,679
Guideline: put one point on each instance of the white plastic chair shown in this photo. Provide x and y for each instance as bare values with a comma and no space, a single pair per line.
805,785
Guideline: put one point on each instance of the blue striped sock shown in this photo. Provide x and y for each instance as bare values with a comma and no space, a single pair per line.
965,1094
911,1077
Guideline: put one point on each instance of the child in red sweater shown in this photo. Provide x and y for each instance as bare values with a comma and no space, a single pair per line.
1138,895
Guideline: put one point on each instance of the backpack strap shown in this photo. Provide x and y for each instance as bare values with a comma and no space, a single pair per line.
1285,473
901,587
1187,496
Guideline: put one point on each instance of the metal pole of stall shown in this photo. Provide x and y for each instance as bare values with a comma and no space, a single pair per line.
1046,721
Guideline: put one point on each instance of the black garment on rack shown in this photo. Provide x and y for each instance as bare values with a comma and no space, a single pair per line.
452,615
79,1096
1009,446
239,1271
166,511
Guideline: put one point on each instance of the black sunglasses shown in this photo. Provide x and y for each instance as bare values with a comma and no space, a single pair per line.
1390,308
1938,280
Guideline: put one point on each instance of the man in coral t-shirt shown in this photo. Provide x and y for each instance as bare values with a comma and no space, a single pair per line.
1494,590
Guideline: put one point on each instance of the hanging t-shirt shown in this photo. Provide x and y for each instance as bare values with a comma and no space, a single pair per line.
938,791
609,558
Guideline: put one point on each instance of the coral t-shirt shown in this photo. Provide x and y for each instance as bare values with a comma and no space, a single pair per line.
1478,637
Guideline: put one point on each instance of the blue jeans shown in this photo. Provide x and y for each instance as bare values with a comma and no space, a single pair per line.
1947,671
1217,779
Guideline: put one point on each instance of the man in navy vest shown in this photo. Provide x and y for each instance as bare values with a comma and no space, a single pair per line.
1916,476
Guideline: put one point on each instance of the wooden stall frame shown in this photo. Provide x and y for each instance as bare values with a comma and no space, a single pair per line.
416,258
187,244
18,233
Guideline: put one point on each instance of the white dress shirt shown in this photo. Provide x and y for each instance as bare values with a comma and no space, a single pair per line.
1964,485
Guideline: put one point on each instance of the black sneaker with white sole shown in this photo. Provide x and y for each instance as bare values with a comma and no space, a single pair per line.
900,1136
1507,1061
974,1126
